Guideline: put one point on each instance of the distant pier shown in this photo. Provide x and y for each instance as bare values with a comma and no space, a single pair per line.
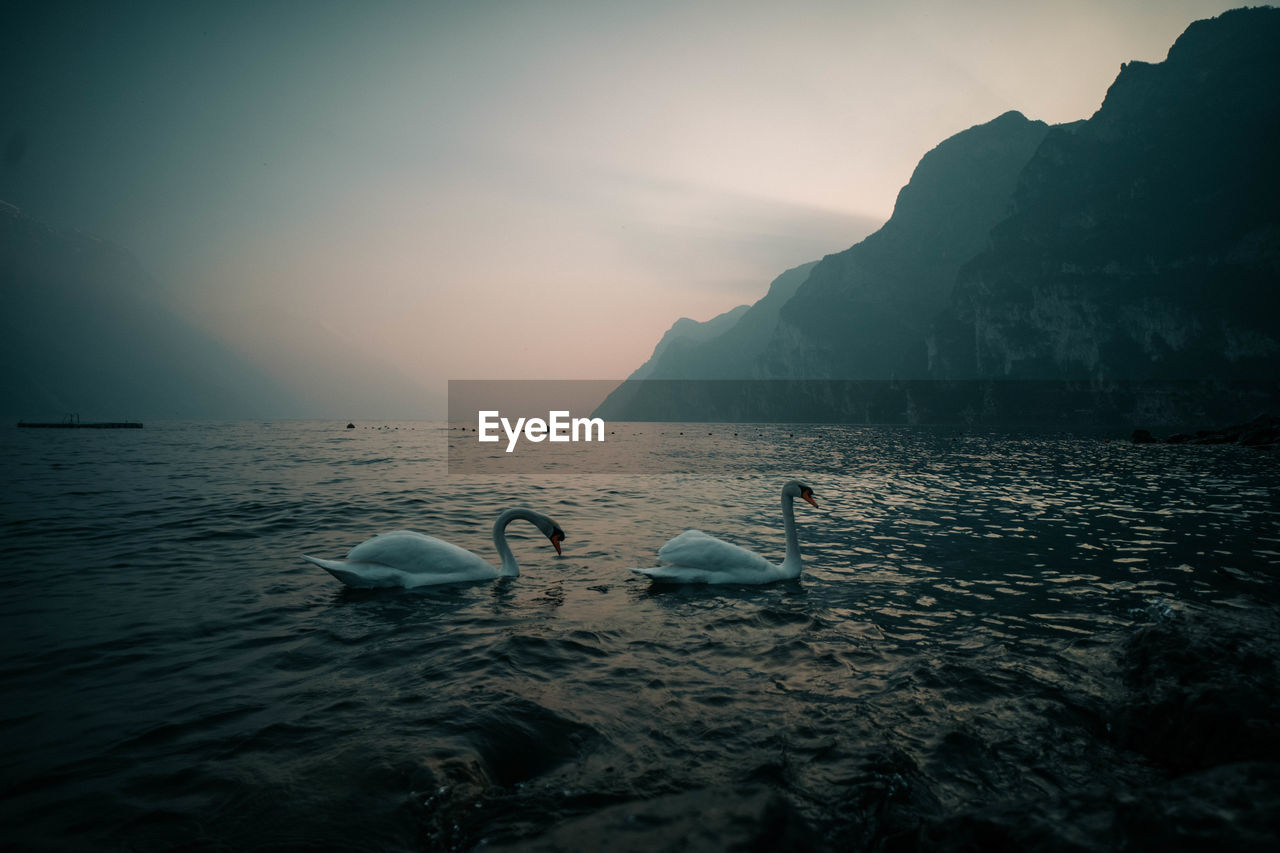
73,422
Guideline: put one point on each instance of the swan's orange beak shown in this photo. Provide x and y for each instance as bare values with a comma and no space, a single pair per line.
809,497
556,538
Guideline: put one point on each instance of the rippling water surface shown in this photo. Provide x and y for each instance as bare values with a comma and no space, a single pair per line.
174,676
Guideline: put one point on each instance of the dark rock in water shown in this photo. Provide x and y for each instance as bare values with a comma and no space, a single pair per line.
1203,692
517,740
1200,698
1142,436
1233,807
707,820
889,799
1058,825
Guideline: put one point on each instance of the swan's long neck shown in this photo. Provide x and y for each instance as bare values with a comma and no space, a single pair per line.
508,567
790,563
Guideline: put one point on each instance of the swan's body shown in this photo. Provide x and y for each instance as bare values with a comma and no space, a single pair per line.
695,557
408,559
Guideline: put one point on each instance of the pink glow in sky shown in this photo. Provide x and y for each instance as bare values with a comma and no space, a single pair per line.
517,190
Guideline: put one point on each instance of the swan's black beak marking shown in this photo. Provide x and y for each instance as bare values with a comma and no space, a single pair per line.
807,494
556,537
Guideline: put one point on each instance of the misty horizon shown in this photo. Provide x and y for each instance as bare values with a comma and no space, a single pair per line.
360,207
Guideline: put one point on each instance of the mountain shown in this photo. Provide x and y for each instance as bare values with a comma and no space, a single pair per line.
723,347
85,330
1145,241
1124,266
686,334
864,313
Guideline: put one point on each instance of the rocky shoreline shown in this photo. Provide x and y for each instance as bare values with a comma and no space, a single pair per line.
1262,432
1191,697
1197,698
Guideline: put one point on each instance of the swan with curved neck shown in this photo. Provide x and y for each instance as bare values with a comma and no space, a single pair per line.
695,557
408,559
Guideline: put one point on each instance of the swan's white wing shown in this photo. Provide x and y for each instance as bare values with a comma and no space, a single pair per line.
406,558
417,554
694,549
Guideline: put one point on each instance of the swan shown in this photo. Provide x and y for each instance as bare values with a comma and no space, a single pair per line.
408,559
695,557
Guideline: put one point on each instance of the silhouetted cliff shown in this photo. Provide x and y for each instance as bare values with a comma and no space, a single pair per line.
1134,255
864,313
684,335
732,351
1145,241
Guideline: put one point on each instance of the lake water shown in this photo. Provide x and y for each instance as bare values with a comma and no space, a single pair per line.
174,676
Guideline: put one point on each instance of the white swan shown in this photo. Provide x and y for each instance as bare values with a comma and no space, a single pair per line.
408,559
695,557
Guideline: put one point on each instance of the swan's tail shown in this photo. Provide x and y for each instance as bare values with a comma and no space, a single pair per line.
357,574
674,574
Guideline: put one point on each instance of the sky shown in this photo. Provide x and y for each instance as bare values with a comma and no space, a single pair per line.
511,190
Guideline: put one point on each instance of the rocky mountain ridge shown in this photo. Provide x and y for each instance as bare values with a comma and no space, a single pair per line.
1134,254
721,347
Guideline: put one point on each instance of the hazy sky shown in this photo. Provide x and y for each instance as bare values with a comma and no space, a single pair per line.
514,189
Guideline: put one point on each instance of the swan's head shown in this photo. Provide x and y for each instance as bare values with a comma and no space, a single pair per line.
797,489
552,531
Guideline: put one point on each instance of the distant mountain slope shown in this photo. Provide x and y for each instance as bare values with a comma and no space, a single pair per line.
1145,242
864,313
83,330
685,334
866,310
729,351
1141,244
